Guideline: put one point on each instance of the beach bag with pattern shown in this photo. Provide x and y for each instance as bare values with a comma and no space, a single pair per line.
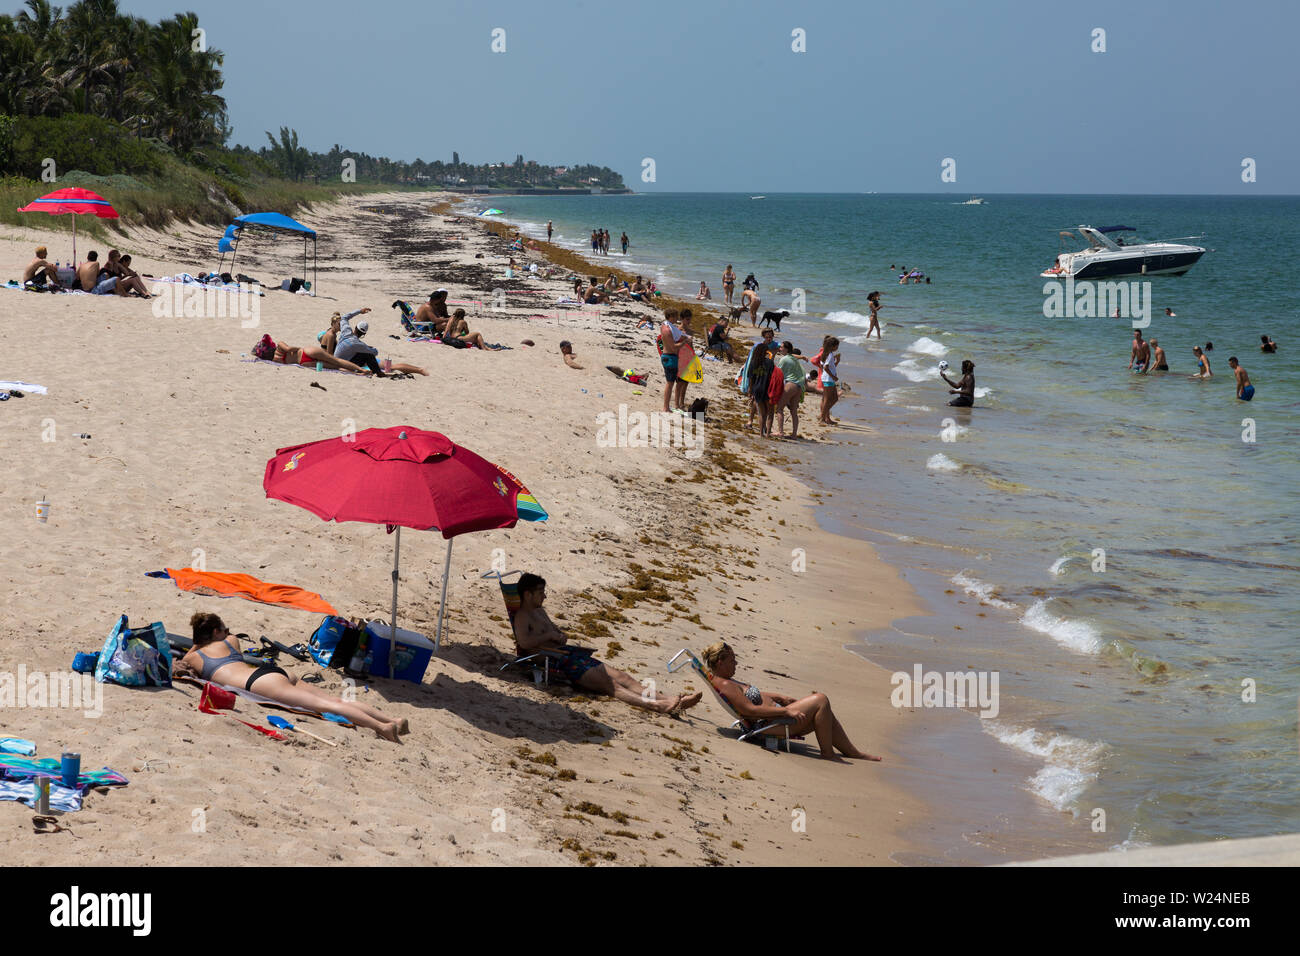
136,657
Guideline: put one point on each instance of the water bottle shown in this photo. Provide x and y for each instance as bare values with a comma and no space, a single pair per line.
358,661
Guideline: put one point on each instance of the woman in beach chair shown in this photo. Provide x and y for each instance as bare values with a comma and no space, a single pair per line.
269,680
535,631
811,714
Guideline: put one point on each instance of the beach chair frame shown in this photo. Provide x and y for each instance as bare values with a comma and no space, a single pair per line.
755,732
539,662
412,327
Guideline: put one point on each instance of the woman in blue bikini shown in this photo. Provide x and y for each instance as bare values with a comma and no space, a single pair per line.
811,714
269,680
534,631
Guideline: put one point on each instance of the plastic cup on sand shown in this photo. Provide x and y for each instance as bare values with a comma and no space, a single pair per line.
42,511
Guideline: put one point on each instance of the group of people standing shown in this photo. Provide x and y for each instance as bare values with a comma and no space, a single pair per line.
599,240
1147,356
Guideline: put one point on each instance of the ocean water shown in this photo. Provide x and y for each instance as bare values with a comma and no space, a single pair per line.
1160,687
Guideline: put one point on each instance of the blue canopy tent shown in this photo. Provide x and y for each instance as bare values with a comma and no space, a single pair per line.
275,223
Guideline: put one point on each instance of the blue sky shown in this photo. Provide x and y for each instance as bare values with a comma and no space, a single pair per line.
712,91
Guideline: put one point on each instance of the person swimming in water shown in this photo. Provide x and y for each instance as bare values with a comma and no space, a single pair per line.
1245,391
1267,344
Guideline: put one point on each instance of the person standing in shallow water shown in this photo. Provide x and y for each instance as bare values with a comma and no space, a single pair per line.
1141,354
549,227
964,389
1245,391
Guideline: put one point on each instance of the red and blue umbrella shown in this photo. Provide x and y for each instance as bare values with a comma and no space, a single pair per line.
76,202
401,477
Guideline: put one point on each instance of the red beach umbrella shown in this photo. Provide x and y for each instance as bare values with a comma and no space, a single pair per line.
74,201
401,477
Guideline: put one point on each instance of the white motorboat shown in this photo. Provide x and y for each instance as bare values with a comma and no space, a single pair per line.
973,201
1110,255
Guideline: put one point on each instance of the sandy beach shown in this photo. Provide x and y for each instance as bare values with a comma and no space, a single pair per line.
647,551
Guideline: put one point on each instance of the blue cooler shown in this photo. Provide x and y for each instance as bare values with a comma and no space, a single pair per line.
413,652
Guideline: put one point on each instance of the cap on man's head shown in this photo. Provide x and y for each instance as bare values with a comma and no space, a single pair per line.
362,327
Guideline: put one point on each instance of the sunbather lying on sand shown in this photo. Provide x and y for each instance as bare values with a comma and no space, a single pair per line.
534,631
274,351
812,713
225,665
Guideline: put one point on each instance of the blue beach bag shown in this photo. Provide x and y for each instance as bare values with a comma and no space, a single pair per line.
136,657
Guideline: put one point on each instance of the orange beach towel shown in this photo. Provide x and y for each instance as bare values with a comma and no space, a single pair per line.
249,588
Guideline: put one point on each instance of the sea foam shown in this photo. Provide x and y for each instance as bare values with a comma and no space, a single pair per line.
911,370
982,590
1078,636
849,318
942,462
1071,763
928,346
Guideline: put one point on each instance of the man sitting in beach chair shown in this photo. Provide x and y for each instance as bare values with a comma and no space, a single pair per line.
534,631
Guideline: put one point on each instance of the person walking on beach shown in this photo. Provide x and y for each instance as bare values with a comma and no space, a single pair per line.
728,284
669,341
873,300
792,395
965,389
757,371
830,378
625,243
687,335
1141,354
549,227
1202,364
595,241
1158,362
1245,391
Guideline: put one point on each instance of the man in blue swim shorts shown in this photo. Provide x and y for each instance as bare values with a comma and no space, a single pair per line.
1245,391
534,631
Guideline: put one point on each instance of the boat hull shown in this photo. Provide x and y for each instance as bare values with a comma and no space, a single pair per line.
1169,263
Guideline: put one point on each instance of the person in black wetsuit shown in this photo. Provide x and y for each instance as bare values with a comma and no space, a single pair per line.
965,389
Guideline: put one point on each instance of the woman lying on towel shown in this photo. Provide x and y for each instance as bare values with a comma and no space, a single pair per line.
812,714
225,665
272,351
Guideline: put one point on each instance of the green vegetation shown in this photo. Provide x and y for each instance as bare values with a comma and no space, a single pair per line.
93,97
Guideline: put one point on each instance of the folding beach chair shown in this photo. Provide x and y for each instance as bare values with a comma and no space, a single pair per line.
406,315
539,662
751,732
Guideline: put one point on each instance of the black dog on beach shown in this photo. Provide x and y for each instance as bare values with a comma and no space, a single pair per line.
774,318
